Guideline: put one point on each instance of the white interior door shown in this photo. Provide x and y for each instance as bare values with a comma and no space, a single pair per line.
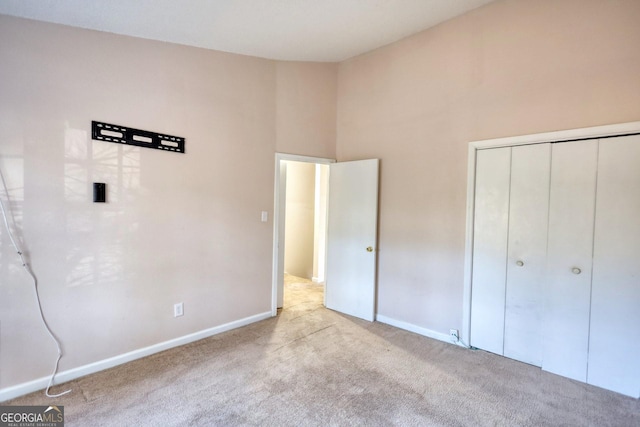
491,224
352,238
614,343
569,256
527,243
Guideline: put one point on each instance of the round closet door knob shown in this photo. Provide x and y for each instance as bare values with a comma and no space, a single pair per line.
576,270
370,249
519,263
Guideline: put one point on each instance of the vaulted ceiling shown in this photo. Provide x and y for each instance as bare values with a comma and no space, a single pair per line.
295,30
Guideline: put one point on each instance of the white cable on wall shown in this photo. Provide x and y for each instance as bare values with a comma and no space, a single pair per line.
27,268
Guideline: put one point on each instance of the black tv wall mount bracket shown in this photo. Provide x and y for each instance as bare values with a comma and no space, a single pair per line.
142,138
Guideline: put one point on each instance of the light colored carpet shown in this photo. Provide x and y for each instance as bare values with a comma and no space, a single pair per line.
312,366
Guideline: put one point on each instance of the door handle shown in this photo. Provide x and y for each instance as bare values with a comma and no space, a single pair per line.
576,270
519,263
369,249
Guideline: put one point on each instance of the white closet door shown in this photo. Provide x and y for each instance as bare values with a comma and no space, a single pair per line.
526,262
614,347
570,250
491,222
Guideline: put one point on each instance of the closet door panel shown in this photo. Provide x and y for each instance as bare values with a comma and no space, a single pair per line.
614,347
527,245
491,220
570,249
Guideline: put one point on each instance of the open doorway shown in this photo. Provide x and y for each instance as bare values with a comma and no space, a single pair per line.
300,220
305,234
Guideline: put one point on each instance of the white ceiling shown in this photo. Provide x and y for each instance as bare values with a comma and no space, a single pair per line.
296,30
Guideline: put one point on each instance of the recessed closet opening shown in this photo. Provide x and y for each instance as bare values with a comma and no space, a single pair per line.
552,242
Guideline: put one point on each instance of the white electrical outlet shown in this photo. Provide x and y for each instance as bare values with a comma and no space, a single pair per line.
455,336
178,309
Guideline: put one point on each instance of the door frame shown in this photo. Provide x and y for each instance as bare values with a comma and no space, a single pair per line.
279,202
539,138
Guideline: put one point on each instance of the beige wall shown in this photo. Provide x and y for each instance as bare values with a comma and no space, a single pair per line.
306,108
510,68
178,227
299,219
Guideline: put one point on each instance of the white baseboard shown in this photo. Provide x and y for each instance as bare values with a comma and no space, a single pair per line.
317,280
413,328
71,374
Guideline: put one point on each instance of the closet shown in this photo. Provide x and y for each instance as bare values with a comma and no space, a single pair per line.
555,273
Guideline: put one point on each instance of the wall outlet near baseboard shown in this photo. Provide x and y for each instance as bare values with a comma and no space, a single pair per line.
454,334
178,309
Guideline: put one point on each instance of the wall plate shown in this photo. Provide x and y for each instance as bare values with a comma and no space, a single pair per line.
99,192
